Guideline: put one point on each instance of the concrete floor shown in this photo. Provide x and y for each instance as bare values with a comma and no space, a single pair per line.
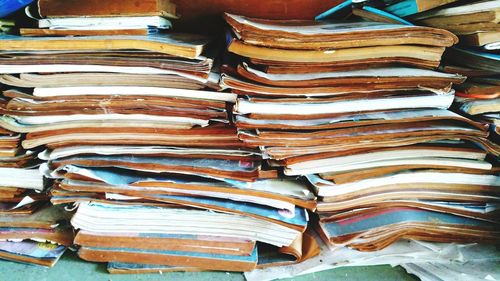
71,268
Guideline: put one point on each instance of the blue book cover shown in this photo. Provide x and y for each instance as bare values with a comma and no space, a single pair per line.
33,249
386,218
337,11
404,8
7,7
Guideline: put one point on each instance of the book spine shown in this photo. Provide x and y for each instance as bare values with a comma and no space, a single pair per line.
404,8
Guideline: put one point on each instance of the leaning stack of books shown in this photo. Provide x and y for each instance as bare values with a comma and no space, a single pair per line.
358,109
130,132
476,56
30,229
37,235
476,24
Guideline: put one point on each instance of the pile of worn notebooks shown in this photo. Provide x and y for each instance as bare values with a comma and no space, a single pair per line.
38,235
358,109
132,136
149,166
477,56
30,229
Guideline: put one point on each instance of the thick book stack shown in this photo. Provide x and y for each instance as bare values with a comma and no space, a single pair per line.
38,235
358,110
77,18
476,56
477,25
25,215
131,134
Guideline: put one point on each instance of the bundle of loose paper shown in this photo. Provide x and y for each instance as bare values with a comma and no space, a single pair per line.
405,253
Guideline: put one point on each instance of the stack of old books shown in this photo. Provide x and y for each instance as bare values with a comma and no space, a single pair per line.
476,24
132,136
38,235
30,229
358,109
476,56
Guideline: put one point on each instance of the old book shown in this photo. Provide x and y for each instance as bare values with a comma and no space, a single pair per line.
409,7
62,8
237,170
312,35
369,76
437,155
269,121
182,45
341,106
105,23
349,54
282,194
165,151
27,80
474,59
430,179
376,230
99,217
135,268
378,15
336,82
186,243
60,235
45,254
467,9
480,38
24,178
464,19
113,58
46,217
478,106
131,91
211,136
331,211
171,258
38,32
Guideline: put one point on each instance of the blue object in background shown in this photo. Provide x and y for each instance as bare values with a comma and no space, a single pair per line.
338,11
7,7
386,14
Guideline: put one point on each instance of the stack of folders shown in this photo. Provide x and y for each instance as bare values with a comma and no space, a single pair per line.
129,132
30,229
359,110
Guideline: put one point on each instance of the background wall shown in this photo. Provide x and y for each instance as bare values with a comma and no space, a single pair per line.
208,12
